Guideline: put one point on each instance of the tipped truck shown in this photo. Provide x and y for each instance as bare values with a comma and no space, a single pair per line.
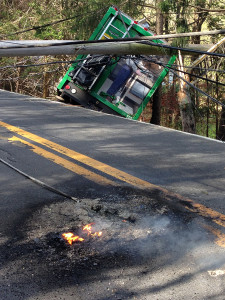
120,85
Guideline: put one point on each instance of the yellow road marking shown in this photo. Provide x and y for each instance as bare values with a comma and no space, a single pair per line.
81,158
67,164
202,210
220,241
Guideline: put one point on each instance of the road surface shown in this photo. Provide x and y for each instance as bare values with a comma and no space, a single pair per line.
157,195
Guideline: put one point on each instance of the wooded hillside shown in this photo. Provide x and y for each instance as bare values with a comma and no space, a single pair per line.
72,19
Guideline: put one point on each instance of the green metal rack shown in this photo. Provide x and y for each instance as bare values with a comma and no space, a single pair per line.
90,77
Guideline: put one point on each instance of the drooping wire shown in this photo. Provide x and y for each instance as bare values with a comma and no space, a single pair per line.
187,82
53,23
154,61
134,40
200,68
170,67
30,75
172,70
95,12
44,64
80,60
184,72
180,48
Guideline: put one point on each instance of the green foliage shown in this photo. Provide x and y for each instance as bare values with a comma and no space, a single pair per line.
179,16
165,6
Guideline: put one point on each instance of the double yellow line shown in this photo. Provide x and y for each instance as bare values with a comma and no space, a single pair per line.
90,162
112,174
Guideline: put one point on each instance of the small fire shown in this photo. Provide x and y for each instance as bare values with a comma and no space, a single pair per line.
87,229
70,238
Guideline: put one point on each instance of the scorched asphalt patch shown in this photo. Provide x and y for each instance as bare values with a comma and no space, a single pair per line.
139,232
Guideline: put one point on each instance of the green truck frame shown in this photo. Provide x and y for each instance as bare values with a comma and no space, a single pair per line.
120,85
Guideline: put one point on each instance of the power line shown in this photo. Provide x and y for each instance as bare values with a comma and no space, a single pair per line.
184,72
140,39
44,64
182,49
119,46
30,75
200,68
41,183
198,89
53,23
69,62
80,60
163,36
187,82
193,86
197,76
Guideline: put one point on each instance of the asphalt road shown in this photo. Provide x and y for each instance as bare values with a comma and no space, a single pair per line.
157,194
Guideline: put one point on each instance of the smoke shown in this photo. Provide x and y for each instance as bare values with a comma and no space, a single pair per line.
139,233
168,237
164,239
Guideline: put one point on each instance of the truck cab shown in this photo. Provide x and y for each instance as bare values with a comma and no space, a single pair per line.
120,85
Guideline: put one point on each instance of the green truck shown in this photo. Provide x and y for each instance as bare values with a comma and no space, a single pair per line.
120,85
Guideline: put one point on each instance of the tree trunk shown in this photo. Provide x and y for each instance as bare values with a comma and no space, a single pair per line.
156,99
186,111
221,132
45,85
156,106
185,103
159,18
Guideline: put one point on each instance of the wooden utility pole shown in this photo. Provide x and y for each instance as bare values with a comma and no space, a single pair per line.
39,48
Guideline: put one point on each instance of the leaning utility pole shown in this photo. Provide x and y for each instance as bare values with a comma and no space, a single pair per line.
132,46
105,48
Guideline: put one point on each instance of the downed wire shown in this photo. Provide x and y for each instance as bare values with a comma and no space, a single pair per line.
41,183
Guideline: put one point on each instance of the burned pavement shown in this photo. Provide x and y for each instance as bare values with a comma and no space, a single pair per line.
153,246
142,238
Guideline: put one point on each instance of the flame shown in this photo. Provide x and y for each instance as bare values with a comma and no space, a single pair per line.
87,229
99,233
70,238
